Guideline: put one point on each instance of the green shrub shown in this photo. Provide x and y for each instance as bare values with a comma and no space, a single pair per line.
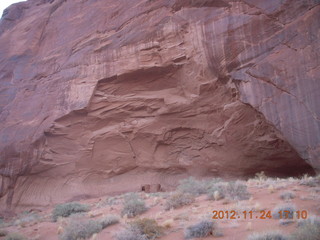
15,236
130,233
133,205
67,209
108,221
287,211
202,229
267,236
178,199
147,227
80,229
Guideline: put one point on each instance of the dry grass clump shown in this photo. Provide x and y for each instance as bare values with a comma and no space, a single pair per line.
79,228
261,176
67,209
133,205
202,229
287,195
267,236
168,223
178,199
287,211
147,227
15,236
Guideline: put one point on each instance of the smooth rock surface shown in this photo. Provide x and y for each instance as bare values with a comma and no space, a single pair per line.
104,96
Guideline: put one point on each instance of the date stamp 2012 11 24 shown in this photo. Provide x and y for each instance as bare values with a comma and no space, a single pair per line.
263,214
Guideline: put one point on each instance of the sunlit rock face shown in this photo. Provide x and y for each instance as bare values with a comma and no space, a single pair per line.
104,96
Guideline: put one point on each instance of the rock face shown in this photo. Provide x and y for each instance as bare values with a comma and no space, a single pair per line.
105,96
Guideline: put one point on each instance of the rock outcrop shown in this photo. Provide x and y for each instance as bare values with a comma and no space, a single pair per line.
105,96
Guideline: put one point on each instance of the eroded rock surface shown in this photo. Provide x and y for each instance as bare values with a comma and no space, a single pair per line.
104,96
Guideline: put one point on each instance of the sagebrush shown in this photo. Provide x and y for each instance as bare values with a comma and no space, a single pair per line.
108,221
178,199
130,233
133,205
15,236
67,209
268,236
202,229
284,211
79,228
308,229
147,227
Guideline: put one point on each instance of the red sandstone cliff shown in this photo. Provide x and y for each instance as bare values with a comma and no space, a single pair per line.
150,90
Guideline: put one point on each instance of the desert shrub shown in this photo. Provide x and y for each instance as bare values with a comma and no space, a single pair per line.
201,229
308,230
108,221
147,227
230,190
67,209
15,236
310,181
197,187
216,191
267,236
79,228
178,199
287,195
130,233
133,205
309,220
107,202
27,218
236,191
192,186
285,215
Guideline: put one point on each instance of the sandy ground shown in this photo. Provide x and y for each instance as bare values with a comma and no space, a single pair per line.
265,195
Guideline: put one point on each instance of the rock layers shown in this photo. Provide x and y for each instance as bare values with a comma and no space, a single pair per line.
102,96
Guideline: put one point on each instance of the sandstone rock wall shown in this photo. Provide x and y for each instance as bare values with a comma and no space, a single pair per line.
99,94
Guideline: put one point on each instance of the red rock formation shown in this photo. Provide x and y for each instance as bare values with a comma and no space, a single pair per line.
103,96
